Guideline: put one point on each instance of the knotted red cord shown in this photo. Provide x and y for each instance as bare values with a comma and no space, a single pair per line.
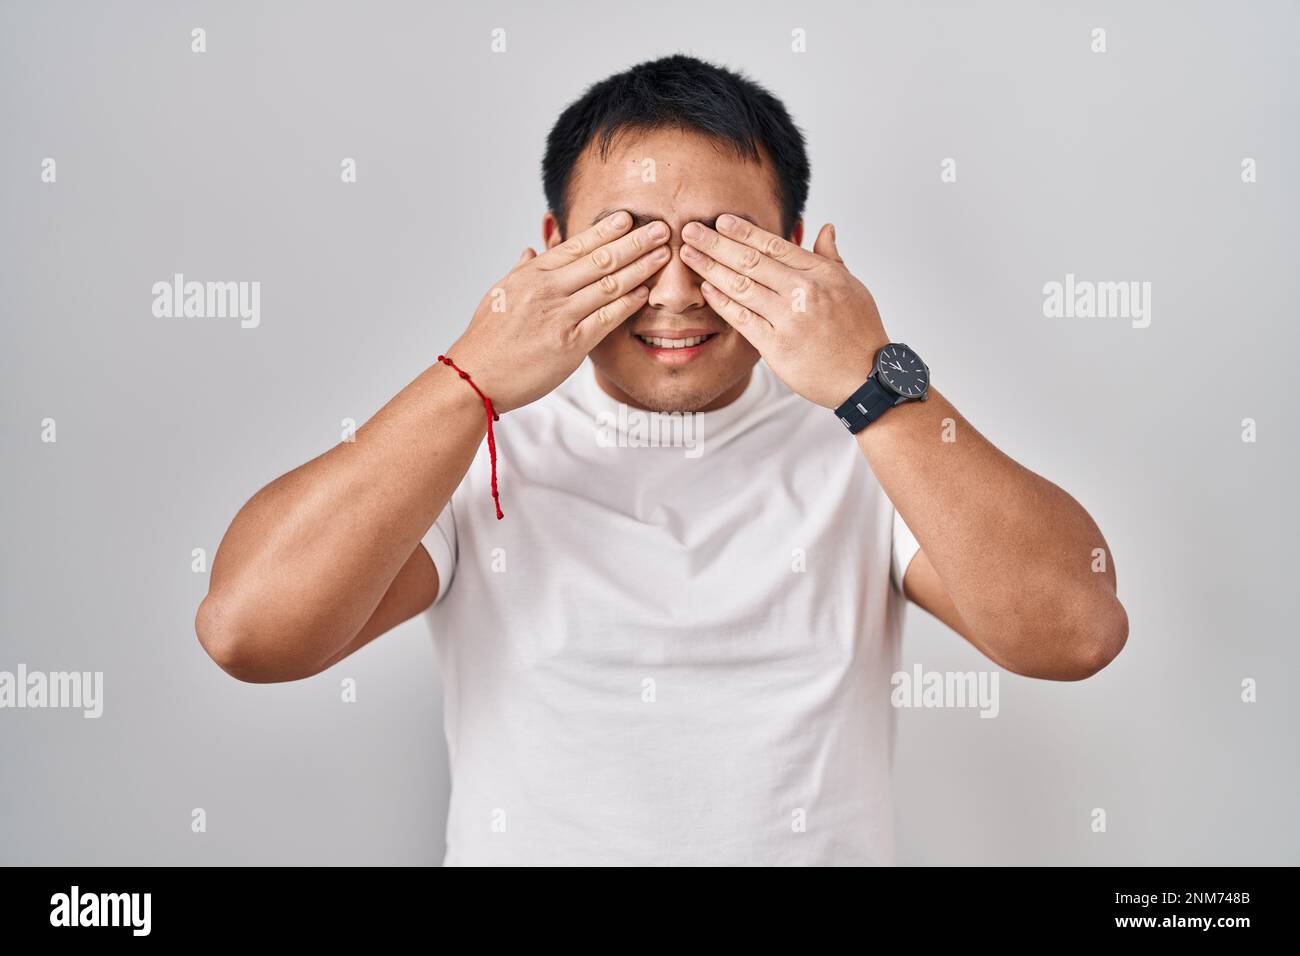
492,416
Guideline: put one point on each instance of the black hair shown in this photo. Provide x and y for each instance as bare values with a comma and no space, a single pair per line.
691,94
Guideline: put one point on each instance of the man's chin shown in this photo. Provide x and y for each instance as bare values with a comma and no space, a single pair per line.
676,390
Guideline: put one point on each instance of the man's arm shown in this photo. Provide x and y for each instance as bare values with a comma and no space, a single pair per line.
1006,556
328,557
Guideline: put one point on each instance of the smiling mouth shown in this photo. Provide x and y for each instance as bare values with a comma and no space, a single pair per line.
690,341
675,347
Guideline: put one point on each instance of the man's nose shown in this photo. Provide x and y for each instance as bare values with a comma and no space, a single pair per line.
676,287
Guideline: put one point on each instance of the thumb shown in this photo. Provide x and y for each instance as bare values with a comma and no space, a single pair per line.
825,244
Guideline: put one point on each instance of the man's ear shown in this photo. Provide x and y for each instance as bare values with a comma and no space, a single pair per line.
796,234
552,234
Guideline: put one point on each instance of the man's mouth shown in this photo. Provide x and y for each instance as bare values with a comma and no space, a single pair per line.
675,347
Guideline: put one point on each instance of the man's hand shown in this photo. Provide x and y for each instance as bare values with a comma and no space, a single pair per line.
813,322
538,323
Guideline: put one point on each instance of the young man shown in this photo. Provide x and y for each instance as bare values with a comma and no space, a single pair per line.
678,653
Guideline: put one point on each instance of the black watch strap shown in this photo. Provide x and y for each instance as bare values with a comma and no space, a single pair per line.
865,405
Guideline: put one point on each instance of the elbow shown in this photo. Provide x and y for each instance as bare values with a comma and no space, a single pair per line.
1069,650
234,644
223,640
1094,642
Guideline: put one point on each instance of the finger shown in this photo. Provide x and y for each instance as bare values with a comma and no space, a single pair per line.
777,276
756,329
524,256
825,244
736,285
577,246
612,256
607,288
770,245
593,329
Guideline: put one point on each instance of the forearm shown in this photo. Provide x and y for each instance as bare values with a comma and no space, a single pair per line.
1017,555
308,559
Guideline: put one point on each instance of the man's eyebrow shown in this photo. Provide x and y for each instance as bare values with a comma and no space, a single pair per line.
640,219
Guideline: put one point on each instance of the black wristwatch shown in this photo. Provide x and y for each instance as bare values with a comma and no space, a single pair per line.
899,376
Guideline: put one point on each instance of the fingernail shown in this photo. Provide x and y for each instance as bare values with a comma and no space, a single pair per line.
832,232
726,221
658,231
618,220
690,252
693,230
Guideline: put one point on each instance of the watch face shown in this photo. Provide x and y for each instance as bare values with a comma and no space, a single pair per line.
902,370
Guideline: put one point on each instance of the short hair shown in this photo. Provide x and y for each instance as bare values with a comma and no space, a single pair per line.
692,95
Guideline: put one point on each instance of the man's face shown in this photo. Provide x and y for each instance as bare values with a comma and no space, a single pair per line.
677,177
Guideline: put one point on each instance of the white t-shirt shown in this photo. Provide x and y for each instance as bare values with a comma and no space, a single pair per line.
674,654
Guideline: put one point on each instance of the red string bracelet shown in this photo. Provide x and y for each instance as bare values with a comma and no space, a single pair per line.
492,416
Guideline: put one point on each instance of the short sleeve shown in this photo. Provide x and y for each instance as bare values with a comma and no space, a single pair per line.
904,550
440,542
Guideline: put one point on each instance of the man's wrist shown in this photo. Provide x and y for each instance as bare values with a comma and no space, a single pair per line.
453,397
851,381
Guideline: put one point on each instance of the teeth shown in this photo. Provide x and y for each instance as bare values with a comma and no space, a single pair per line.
672,343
